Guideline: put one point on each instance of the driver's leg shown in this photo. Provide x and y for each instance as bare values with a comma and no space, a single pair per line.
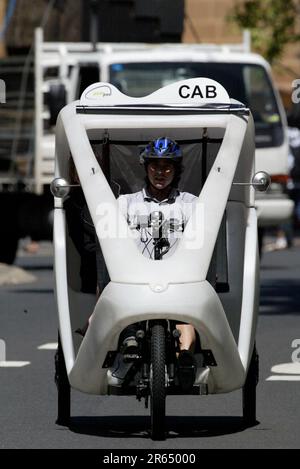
187,338
186,360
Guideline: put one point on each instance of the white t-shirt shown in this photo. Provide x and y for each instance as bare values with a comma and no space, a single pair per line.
141,208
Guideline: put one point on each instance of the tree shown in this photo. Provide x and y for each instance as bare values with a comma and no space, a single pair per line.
272,24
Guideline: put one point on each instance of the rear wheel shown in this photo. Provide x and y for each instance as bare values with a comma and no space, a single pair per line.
260,239
249,390
63,387
157,382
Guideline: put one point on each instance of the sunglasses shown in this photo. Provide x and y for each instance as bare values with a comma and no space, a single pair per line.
154,168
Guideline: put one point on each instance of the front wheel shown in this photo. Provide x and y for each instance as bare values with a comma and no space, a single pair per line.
249,390
157,382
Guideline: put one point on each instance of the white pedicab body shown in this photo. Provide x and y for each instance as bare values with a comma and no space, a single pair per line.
175,288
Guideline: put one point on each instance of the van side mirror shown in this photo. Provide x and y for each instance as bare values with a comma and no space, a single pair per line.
57,99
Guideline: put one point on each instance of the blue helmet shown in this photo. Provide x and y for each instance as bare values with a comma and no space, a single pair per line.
161,148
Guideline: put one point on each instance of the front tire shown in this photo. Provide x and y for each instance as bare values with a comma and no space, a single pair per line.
157,382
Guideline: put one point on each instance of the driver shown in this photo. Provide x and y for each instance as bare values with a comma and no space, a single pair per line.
162,202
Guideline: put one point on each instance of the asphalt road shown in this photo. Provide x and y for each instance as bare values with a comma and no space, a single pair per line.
28,393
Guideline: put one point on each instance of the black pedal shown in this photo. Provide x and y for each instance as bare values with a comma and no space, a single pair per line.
131,357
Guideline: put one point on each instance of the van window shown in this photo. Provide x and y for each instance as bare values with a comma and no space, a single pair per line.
89,73
247,83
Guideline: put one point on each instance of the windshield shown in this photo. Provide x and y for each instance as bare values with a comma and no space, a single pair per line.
247,83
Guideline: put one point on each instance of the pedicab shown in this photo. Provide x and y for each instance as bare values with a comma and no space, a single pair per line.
210,281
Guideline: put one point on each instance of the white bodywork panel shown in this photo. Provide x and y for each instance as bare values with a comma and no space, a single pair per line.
174,288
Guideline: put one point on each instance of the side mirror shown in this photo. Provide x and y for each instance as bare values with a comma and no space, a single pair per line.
57,99
261,181
60,187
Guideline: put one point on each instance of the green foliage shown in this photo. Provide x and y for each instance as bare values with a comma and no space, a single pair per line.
272,24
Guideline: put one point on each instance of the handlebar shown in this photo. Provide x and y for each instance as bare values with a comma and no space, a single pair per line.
160,231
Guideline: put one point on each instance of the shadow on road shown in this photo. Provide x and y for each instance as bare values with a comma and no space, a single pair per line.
138,426
280,296
37,267
35,291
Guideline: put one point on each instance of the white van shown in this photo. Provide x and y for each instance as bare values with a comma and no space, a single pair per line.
140,69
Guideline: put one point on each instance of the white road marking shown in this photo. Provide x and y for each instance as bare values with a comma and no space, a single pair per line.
286,372
288,368
49,346
12,364
8,364
284,378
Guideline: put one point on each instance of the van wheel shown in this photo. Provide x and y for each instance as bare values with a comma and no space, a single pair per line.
63,387
8,247
249,390
157,382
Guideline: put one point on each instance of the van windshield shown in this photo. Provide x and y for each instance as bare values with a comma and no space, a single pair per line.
247,83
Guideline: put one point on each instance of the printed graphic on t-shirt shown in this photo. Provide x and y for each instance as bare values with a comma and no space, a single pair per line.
159,224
